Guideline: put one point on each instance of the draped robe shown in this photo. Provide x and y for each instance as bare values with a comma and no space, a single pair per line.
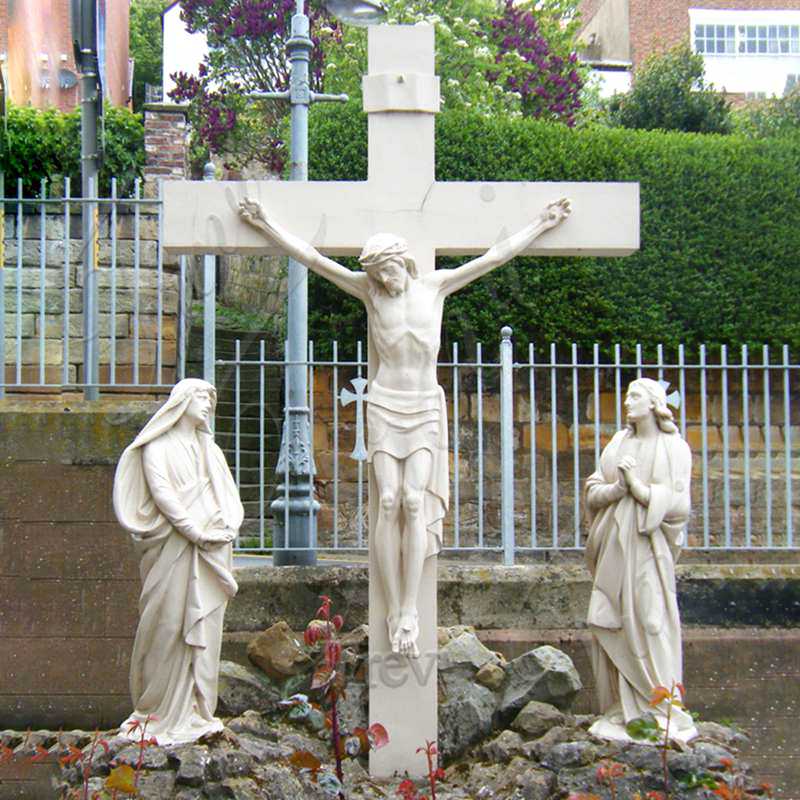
631,552
166,493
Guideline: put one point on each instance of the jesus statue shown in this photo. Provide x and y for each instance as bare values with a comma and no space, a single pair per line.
406,416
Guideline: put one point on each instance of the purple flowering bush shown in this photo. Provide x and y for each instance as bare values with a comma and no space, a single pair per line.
513,59
548,85
247,53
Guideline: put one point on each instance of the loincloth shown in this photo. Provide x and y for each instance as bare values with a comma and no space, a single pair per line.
401,423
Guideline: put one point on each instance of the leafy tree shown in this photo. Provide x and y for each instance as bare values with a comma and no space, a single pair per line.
146,45
510,58
506,57
670,93
776,117
247,54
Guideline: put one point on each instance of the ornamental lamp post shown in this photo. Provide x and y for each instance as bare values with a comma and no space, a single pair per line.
295,510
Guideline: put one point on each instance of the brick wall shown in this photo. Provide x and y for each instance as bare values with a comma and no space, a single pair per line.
4,28
166,139
31,321
654,32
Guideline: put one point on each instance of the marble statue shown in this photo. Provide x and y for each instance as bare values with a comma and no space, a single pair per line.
637,505
406,416
174,493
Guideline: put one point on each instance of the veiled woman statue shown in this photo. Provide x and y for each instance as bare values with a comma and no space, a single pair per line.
174,493
637,506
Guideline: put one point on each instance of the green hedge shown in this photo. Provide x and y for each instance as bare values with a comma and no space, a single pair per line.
47,144
720,235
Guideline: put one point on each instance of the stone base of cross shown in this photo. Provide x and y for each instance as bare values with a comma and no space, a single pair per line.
401,196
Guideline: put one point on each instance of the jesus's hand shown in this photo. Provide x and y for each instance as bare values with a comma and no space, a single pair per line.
253,212
555,213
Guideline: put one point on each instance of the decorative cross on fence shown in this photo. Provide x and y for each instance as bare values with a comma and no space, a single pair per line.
674,398
360,397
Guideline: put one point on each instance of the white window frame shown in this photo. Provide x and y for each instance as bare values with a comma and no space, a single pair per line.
746,37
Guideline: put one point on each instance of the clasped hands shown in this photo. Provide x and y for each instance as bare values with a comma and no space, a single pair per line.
215,534
628,482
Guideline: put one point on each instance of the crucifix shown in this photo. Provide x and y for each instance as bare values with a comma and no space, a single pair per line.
407,433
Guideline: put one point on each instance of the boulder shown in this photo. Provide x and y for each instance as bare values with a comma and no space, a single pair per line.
356,639
465,717
242,689
278,652
154,785
536,719
444,635
535,784
570,754
467,651
352,707
253,724
194,762
544,674
722,734
233,789
491,676
503,747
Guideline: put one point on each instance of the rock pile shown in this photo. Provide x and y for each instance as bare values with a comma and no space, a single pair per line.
505,732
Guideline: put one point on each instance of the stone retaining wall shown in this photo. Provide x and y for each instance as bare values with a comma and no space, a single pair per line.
537,432
69,577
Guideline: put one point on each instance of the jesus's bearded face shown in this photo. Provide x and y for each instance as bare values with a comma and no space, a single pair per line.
392,275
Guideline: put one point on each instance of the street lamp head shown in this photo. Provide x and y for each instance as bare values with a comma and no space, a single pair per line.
357,12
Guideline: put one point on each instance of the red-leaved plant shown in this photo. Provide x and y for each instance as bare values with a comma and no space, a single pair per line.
330,679
408,789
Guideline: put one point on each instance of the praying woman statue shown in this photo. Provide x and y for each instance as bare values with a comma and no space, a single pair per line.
637,505
406,416
174,493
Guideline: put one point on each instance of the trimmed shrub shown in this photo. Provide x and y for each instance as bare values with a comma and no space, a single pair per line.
720,235
47,144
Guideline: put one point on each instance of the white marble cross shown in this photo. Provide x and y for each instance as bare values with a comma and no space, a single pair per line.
402,196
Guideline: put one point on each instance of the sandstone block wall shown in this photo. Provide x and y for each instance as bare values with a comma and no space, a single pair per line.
539,454
23,298
69,578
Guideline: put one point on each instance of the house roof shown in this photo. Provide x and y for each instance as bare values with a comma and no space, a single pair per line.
171,6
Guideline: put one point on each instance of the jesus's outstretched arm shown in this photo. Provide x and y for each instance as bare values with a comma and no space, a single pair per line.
353,283
454,279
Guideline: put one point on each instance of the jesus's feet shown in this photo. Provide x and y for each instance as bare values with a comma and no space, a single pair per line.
391,625
404,640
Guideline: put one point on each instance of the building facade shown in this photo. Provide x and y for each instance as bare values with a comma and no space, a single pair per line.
37,55
751,48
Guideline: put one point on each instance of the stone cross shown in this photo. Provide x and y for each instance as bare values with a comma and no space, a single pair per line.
401,196
360,397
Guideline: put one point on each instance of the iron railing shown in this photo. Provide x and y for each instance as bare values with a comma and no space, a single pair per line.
535,447
69,321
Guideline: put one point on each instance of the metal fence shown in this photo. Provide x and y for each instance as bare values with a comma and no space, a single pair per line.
529,431
102,311
524,433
